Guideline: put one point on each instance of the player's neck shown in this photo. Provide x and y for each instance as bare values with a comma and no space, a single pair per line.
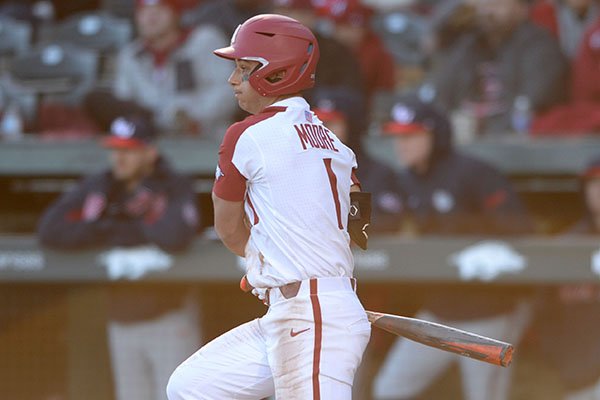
276,99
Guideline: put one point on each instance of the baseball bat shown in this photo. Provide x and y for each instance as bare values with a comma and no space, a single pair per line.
445,338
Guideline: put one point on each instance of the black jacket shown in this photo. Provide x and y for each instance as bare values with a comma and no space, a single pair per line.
460,195
64,225
379,179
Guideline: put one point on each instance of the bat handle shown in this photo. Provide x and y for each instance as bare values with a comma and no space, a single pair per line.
373,316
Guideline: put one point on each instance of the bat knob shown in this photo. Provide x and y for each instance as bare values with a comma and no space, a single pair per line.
506,356
373,316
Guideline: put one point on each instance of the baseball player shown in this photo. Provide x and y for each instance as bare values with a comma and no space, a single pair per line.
282,199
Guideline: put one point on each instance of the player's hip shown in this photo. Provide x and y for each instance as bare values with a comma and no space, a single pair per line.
313,310
323,328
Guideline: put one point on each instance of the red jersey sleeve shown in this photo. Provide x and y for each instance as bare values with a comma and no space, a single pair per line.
229,184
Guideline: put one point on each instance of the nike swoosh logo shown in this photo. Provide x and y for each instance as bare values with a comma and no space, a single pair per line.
294,334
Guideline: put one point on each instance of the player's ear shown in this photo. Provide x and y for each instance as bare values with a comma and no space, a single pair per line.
276,76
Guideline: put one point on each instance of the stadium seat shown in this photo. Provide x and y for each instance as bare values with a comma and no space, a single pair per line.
402,33
58,70
53,74
96,31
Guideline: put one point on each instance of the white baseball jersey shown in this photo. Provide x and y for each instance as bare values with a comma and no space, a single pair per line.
295,177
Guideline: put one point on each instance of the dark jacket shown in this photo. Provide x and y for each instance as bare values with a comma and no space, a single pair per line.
528,63
63,225
460,195
379,179
170,223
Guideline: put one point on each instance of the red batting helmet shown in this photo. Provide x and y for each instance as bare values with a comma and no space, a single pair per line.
279,43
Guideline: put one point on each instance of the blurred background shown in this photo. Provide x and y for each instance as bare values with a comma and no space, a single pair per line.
475,124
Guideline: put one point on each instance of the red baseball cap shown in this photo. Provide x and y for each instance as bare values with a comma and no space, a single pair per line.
130,132
405,120
328,115
327,111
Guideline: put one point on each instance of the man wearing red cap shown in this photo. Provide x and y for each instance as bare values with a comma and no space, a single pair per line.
447,193
282,200
170,71
139,201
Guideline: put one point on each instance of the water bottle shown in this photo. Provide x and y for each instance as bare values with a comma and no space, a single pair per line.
11,125
521,115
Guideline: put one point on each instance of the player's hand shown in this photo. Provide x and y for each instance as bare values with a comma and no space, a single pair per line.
359,218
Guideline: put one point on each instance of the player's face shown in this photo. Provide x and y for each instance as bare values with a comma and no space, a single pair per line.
131,164
154,21
592,195
248,99
414,149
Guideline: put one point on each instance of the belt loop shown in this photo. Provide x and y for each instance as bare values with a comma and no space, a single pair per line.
313,286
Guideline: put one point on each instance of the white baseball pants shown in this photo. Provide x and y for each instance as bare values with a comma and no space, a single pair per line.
304,348
144,354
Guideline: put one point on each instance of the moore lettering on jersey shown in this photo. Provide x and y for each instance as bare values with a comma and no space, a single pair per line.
317,136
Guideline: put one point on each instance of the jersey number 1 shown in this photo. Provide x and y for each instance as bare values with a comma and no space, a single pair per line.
334,191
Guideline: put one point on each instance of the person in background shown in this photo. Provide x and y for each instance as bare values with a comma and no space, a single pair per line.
169,70
338,66
581,114
567,20
138,201
568,313
585,84
497,63
352,27
447,193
